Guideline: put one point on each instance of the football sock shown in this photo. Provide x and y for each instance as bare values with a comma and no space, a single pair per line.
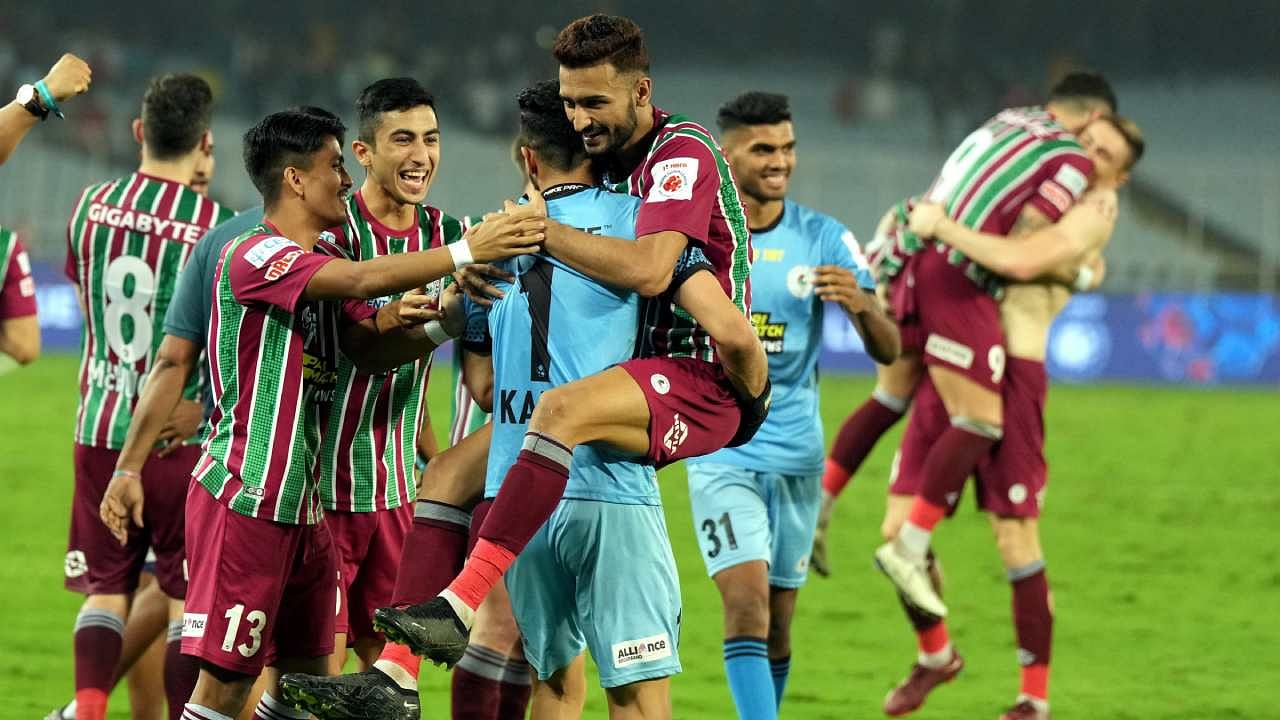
477,684
857,436
191,711
433,552
746,663
952,459
517,685
934,644
99,636
529,494
780,668
915,534
271,709
398,663
1033,625
180,671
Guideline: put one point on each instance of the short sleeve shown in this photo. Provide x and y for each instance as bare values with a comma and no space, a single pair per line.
690,262
18,292
185,317
476,338
684,190
356,310
840,247
1064,179
272,270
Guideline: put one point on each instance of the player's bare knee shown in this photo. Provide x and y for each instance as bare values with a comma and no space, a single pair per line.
447,480
556,413
746,610
1015,540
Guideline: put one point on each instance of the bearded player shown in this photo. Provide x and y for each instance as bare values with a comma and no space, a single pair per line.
686,396
128,240
1043,268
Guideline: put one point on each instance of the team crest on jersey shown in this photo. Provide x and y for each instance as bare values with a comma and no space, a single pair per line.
660,383
800,281
771,334
75,564
673,179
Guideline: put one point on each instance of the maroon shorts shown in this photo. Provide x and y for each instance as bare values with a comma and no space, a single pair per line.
1012,477
692,410
947,319
96,563
259,591
368,547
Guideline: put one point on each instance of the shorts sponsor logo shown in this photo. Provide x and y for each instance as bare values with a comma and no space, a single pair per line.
948,350
279,267
1070,177
1017,493
75,564
772,334
259,254
673,179
193,624
676,435
800,281
660,383
647,649
1058,197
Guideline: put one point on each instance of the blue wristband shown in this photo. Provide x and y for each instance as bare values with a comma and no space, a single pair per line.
49,103
420,463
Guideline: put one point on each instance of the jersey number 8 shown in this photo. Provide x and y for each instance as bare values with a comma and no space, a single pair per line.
134,305
959,165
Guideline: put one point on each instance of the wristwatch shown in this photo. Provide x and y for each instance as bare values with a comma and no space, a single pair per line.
29,98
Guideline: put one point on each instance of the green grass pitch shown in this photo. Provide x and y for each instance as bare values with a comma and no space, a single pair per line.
1161,534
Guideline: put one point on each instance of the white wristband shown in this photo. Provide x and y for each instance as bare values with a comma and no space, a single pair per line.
1084,279
461,253
436,332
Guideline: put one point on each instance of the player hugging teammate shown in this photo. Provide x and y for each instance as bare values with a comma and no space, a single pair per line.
654,298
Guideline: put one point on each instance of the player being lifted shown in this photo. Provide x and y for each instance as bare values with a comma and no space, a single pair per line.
128,240
755,506
676,401
1042,267
273,359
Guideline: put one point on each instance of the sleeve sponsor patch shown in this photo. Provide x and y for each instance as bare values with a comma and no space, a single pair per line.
1072,179
673,179
259,254
1053,192
281,265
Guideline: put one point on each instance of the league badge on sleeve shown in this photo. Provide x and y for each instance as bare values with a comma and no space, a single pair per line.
673,179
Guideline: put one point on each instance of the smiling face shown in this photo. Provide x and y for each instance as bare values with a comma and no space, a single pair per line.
405,154
325,186
762,157
604,105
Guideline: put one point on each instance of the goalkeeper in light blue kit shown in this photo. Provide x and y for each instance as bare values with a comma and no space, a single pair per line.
755,507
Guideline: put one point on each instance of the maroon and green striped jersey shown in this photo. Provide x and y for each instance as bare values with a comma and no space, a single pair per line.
273,360
686,186
1021,157
17,288
127,240
368,446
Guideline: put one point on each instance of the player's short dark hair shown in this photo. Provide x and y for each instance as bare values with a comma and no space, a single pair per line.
1132,136
754,108
176,111
596,39
1084,87
545,129
285,139
317,111
389,95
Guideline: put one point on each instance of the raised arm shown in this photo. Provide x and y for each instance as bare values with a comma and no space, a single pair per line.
642,265
68,77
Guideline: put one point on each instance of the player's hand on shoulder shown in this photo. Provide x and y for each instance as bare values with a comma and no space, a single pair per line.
518,230
925,217
121,504
68,77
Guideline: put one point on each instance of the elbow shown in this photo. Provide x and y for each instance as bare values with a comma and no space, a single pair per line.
651,282
484,398
26,354
740,341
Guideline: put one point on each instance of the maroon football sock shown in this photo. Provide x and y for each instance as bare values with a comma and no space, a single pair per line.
1033,624
477,685
98,641
529,494
180,672
517,686
857,436
950,462
433,552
